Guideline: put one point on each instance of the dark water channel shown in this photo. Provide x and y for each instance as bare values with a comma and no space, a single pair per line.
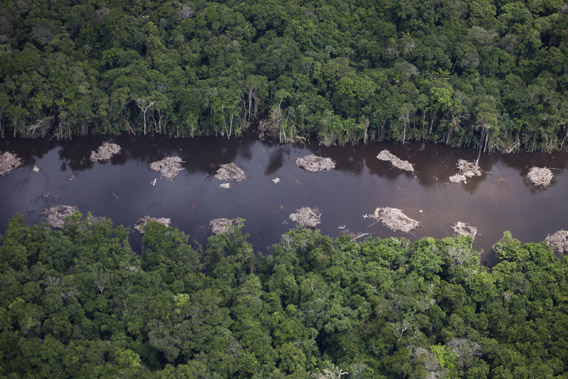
122,189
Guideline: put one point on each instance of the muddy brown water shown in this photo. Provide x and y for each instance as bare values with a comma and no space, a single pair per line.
122,189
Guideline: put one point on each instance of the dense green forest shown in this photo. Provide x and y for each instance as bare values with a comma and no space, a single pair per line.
491,74
80,303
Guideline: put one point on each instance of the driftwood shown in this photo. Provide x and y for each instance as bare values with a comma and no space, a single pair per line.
230,172
170,167
467,170
56,216
276,180
540,176
463,229
141,223
223,225
314,163
386,155
105,152
306,216
35,169
394,219
558,241
225,185
8,162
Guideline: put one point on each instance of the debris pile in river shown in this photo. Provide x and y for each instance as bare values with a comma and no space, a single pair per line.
306,216
105,152
314,163
230,172
141,223
394,219
540,176
467,170
56,215
386,155
558,241
223,225
463,229
8,162
170,167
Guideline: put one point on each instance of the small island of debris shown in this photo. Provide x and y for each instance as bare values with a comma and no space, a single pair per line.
558,241
386,155
463,229
141,223
56,215
540,176
394,219
467,170
105,152
170,167
8,162
230,172
307,216
223,225
314,163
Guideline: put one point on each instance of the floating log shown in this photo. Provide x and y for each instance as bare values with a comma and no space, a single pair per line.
466,170
314,163
386,155
306,216
8,162
540,176
56,215
105,152
230,172
141,223
394,219
170,167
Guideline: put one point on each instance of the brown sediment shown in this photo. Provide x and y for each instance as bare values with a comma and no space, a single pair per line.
558,241
314,163
230,172
222,225
56,215
306,216
170,167
8,162
141,223
394,219
105,152
540,176
386,155
463,229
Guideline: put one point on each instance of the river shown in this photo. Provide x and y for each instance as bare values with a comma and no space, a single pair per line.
122,189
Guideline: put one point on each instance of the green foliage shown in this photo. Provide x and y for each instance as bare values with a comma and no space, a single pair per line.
79,302
489,73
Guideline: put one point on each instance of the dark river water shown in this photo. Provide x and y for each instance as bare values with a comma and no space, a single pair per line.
122,189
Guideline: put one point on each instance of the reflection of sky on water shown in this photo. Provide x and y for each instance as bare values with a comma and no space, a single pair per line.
121,189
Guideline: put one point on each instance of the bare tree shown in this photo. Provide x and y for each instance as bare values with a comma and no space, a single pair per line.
144,104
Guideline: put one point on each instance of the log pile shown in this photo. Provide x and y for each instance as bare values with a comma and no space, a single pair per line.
463,229
141,223
105,152
223,225
314,163
56,215
387,156
558,241
306,216
8,162
170,167
467,170
230,172
540,176
394,219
